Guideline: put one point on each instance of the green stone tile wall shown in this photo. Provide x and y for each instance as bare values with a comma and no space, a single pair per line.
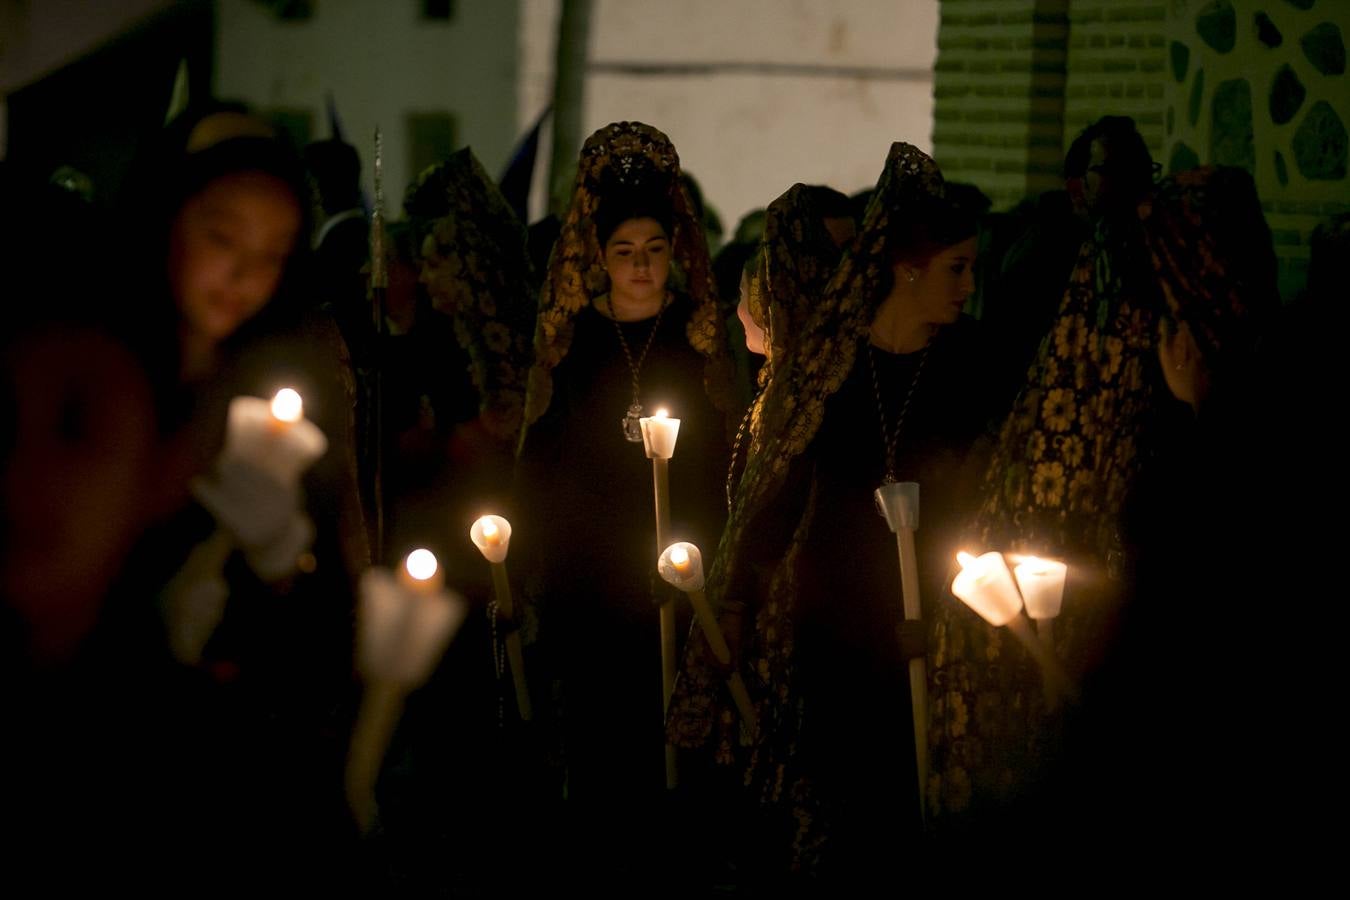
1255,83
1117,64
1262,84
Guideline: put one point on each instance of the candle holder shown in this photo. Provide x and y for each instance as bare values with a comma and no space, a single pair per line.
659,433
681,565
273,435
253,493
404,622
898,502
987,586
1041,583
492,536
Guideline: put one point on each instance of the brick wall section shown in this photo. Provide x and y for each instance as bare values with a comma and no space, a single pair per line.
1118,65
1015,80
998,89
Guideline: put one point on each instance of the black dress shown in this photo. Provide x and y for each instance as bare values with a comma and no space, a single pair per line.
587,534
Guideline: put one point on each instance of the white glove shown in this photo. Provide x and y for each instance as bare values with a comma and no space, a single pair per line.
277,559
247,501
260,512
194,599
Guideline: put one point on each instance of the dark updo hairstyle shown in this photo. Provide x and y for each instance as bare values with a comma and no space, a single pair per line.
619,202
1131,164
930,226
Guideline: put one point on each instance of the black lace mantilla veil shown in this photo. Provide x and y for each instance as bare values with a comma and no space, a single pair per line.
476,267
795,260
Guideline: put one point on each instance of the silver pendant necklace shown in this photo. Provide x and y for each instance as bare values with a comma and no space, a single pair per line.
632,428
890,437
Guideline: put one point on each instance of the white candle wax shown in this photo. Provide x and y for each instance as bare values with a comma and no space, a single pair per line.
681,565
986,586
659,432
403,624
1041,582
898,503
273,436
492,536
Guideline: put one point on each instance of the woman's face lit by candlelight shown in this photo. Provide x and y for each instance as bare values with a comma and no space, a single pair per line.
228,247
941,285
637,258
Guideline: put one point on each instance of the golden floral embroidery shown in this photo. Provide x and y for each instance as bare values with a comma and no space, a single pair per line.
1059,410
1070,336
1036,445
476,268
1080,491
1071,449
1047,484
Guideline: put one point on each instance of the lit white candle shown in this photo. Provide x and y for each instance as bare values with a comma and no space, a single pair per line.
1041,582
288,407
681,565
423,573
403,624
658,438
659,432
492,536
986,586
273,436
253,489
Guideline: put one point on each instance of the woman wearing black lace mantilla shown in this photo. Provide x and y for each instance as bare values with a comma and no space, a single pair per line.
880,385
628,323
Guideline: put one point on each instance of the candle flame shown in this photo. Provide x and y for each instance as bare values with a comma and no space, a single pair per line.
490,529
421,564
679,557
965,559
287,406
661,414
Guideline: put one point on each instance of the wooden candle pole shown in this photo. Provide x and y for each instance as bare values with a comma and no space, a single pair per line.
403,625
918,671
681,565
378,716
515,655
492,536
718,641
661,488
899,503
1058,686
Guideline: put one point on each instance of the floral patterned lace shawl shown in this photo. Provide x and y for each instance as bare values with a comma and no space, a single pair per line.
476,267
